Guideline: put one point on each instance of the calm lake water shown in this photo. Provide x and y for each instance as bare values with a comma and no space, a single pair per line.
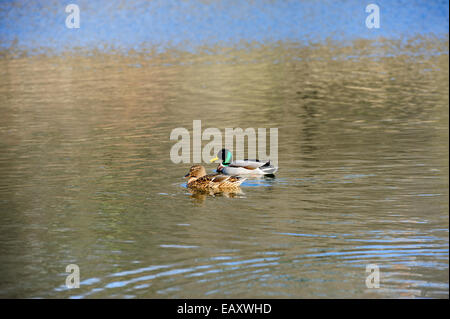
86,176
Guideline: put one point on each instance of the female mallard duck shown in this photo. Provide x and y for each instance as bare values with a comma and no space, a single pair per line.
199,180
245,167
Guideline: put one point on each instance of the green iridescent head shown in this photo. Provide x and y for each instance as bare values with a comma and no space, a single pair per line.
224,155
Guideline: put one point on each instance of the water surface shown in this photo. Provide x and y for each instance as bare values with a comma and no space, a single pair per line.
86,176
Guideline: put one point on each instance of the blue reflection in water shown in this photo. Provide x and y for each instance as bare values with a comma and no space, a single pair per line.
188,24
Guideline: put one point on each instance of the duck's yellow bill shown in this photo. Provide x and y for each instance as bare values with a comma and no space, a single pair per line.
214,159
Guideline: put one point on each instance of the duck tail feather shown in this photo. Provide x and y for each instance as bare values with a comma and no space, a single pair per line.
266,165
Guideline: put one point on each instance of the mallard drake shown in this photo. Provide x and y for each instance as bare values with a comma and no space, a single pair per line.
243,167
198,179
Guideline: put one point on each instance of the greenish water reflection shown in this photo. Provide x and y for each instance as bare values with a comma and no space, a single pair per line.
86,177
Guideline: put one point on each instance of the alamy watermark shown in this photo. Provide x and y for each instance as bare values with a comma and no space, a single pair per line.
73,280
373,19
73,19
373,279
181,151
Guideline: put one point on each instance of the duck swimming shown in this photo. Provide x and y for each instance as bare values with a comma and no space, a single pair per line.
242,167
198,179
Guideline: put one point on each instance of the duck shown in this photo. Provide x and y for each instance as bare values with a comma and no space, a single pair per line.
199,180
242,167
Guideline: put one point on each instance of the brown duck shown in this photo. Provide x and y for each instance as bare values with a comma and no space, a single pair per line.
198,179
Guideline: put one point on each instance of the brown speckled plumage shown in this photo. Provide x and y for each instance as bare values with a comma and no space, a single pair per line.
198,179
